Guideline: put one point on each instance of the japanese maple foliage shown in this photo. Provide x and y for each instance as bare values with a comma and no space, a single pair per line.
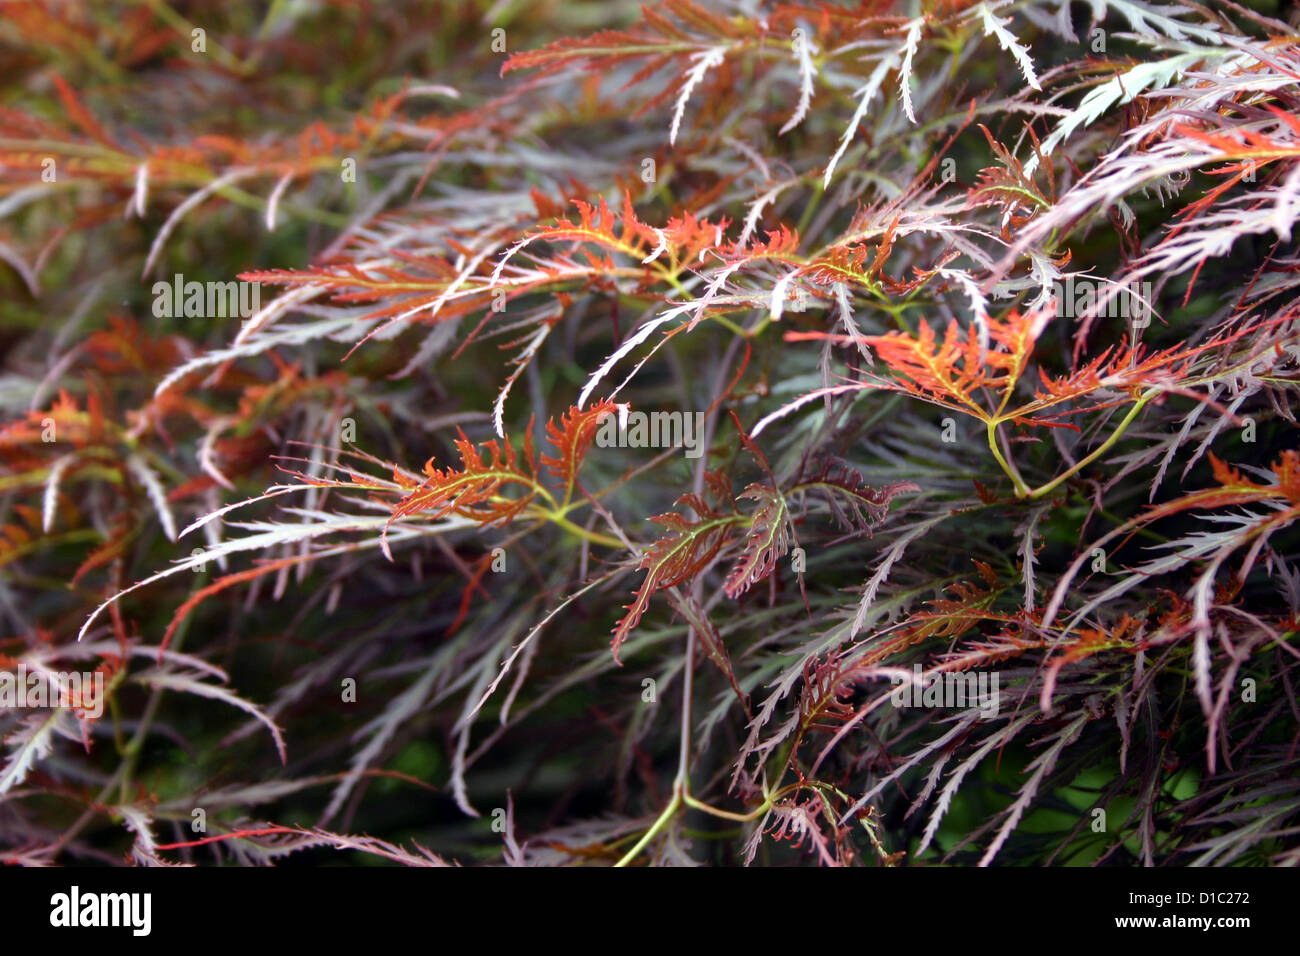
631,411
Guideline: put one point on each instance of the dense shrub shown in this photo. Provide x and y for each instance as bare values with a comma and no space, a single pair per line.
569,433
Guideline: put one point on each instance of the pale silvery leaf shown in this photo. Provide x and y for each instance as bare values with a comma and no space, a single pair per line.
997,27
705,60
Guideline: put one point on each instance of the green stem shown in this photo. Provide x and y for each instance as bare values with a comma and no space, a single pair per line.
1022,490
595,537
655,828
727,814
1105,447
